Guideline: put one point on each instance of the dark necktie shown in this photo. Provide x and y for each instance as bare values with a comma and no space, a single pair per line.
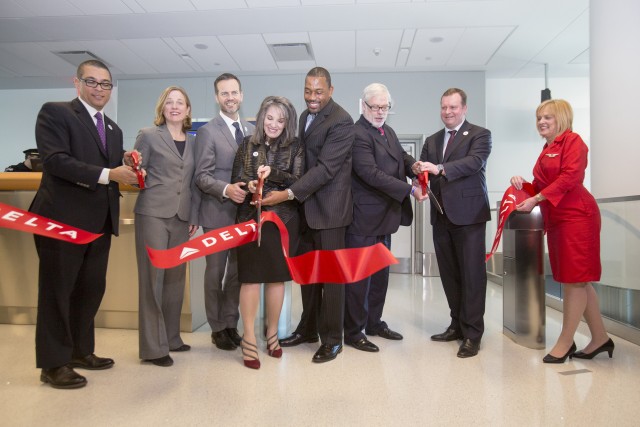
452,134
239,136
381,130
100,127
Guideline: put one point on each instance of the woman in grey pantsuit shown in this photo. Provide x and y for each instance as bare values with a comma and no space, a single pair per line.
163,214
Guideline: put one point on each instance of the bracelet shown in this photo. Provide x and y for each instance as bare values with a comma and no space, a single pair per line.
538,197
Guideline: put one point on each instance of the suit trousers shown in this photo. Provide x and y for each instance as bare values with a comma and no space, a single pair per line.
161,292
460,252
71,284
322,303
365,299
221,289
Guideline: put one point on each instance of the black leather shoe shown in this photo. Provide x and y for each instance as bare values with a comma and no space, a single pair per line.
326,352
183,347
297,339
449,335
364,345
233,335
553,359
91,362
469,348
163,361
388,334
222,341
608,347
62,377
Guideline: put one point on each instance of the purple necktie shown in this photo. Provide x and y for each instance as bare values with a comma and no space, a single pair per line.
100,126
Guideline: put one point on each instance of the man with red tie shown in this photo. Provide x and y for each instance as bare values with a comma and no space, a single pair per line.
82,153
381,203
456,158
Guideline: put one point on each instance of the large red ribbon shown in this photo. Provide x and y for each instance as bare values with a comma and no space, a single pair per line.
17,219
322,266
510,200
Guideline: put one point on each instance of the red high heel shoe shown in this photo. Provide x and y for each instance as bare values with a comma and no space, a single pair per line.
247,350
277,352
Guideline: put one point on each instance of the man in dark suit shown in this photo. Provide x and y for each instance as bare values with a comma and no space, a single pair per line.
325,193
215,149
381,203
457,157
82,152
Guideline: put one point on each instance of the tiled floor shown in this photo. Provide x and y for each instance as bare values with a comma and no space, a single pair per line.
410,382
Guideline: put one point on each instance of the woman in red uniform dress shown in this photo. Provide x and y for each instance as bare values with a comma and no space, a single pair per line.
572,223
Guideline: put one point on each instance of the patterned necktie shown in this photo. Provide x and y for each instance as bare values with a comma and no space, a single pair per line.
100,127
310,118
381,130
239,136
452,134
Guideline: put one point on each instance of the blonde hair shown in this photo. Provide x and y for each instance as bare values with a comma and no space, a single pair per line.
160,120
561,110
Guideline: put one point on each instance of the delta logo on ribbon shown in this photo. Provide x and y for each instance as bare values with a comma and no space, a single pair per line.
17,219
511,198
322,266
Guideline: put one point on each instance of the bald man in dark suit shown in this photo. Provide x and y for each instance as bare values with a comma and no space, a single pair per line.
327,132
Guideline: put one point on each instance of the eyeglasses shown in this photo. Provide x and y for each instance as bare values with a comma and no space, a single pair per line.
375,108
93,83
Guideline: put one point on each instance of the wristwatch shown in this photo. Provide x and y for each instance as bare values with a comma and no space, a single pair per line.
440,169
290,194
538,197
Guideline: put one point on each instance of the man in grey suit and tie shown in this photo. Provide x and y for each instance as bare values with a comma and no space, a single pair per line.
456,156
215,149
325,193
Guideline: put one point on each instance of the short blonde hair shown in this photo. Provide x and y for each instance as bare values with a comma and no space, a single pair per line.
160,120
561,110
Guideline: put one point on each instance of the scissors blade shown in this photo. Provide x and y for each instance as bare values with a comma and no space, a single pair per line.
257,201
435,202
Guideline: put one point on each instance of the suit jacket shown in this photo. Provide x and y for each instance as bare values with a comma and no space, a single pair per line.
463,190
169,177
215,150
73,159
381,200
325,188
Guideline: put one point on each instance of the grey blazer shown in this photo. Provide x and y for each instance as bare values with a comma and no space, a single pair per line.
169,177
215,150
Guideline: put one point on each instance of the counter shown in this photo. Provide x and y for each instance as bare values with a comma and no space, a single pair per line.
119,308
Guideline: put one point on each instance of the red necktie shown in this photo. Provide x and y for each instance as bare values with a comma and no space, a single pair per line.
452,134
381,130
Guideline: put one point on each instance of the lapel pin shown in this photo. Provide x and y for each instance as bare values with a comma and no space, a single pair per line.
109,126
465,133
255,154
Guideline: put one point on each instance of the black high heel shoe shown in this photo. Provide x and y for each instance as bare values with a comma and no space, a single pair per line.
608,347
552,359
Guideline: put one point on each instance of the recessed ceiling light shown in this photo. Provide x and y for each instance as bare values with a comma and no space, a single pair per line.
201,46
436,39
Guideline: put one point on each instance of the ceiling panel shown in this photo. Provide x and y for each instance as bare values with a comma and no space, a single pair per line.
50,7
219,4
433,47
19,66
249,51
34,53
334,49
101,7
157,54
155,6
272,3
120,57
377,48
476,46
11,9
214,58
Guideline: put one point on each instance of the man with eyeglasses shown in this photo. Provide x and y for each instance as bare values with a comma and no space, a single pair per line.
324,190
456,158
215,149
82,153
381,203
